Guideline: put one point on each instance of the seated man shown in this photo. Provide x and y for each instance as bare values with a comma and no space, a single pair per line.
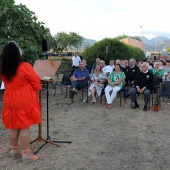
130,72
143,85
94,65
79,80
106,69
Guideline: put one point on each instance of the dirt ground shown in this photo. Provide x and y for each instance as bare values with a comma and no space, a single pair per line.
102,139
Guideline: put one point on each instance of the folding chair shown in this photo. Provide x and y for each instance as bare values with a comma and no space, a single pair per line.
165,92
156,86
64,82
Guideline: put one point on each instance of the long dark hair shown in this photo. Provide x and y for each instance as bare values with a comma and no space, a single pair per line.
10,60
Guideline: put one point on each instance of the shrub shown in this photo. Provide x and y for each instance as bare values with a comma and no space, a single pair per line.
119,50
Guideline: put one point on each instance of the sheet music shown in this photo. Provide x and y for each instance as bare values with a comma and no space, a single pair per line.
2,85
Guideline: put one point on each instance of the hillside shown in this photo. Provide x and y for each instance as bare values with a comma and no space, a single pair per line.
156,44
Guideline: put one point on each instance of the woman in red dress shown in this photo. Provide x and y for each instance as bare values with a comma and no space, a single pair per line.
21,107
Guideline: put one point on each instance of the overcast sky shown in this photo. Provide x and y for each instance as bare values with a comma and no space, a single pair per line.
98,19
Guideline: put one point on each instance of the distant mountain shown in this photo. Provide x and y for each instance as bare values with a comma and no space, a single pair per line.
155,44
87,43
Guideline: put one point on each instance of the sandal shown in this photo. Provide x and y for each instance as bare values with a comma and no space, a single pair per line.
109,106
16,152
28,156
70,101
106,105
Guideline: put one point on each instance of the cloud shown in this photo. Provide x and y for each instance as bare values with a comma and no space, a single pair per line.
97,19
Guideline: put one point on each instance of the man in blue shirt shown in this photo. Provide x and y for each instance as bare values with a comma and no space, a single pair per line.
79,80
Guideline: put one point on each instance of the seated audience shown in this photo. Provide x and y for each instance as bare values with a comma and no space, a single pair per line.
98,79
94,65
111,66
115,83
143,85
86,66
119,62
168,77
166,70
162,64
125,64
140,65
79,80
106,70
157,70
130,72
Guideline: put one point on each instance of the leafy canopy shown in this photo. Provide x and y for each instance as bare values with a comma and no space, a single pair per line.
61,41
20,24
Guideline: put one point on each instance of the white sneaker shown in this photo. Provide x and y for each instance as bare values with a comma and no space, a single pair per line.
84,100
94,100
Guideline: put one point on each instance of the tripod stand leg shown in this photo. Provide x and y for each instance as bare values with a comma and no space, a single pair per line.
62,141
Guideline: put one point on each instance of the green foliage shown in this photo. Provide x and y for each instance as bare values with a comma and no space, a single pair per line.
128,36
61,41
65,63
20,24
168,49
119,50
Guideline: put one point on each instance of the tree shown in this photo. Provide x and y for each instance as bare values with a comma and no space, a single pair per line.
61,41
20,24
168,49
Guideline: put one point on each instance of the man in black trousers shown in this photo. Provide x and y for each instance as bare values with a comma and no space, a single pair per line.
143,85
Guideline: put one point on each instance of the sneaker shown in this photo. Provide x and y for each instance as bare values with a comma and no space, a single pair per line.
127,95
145,108
73,91
84,100
94,100
135,106
70,101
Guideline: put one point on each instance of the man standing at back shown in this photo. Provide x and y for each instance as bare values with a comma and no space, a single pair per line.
75,62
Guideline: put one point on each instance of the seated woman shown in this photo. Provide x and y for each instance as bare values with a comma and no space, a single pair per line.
157,70
98,79
168,77
115,83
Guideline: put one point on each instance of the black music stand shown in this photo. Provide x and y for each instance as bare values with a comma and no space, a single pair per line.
49,68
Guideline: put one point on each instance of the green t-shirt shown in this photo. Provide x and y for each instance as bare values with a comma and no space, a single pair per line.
117,76
158,73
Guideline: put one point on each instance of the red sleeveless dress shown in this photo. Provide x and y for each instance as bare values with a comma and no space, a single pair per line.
21,107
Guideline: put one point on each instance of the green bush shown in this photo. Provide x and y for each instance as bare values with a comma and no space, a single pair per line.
119,50
65,63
